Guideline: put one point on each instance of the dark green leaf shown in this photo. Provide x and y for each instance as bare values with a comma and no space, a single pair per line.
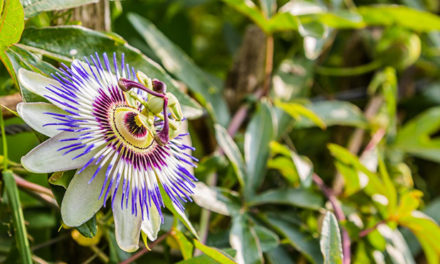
295,197
268,239
232,152
214,199
256,148
335,113
33,7
299,240
244,240
89,228
17,216
331,246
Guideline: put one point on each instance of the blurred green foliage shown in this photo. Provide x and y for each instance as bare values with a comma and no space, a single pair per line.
349,120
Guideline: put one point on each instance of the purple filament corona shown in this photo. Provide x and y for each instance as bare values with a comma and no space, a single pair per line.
89,94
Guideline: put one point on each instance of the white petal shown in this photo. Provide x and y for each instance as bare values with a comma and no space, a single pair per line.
127,225
151,226
37,83
81,201
46,158
34,115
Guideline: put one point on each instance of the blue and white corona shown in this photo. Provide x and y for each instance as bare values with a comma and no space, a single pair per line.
119,130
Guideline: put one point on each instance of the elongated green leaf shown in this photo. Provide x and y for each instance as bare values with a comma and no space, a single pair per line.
33,7
214,253
256,148
17,216
249,9
335,113
205,259
67,42
232,152
415,136
11,23
427,232
244,240
302,242
297,111
396,246
186,247
181,66
387,15
331,246
214,200
295,197
268,239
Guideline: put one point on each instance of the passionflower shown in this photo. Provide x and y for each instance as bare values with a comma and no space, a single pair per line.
120,131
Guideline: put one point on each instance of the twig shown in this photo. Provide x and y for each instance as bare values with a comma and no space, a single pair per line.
145,250
365,232
339,214
268,65
49,242
41,193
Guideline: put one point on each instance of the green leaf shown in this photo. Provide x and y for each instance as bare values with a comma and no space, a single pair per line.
396,246
331,246
415,136
335,113
249,9
256,148
186,247
205,259
64,43
294,197
214,199
297,111
302,242
11,23
395,15
232,152
244,240
427,232
182,66
89,228
268,239
303,168
17,216
33,7
268,7
215,253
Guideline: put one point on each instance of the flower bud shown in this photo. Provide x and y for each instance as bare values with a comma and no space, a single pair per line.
155,104
159,86
174,106
143,79
398,48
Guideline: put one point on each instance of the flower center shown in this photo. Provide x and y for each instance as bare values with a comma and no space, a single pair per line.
129,127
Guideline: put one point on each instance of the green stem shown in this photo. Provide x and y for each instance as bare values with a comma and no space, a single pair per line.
17,215
349,71
5,144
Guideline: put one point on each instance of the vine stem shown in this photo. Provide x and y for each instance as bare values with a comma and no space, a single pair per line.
349,71
339,214
145,250
365,232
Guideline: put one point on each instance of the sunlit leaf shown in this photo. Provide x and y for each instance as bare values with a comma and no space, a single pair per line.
214,253
33,7
331,246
